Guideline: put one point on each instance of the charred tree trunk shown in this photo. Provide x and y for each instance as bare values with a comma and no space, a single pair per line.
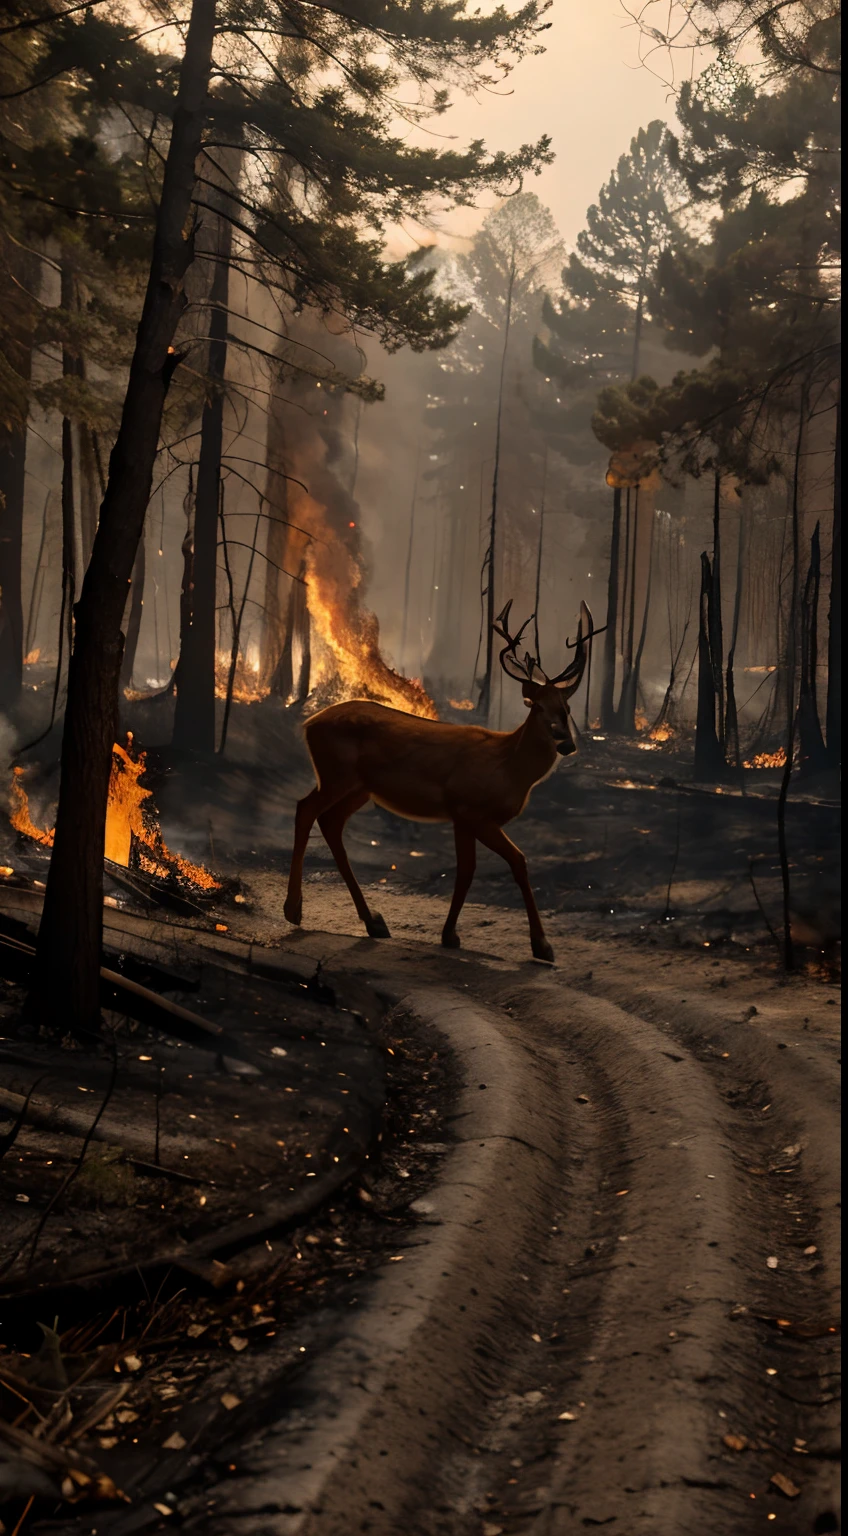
709,758
289,682
65,991
810,739
625,718
194,715
407,575
646,612
790,718
135,616
608,678
13,446
90,487
833,718
731,718
37,581
187,552
716,635
485,701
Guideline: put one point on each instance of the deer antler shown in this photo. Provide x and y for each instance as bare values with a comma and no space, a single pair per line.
572,676
522,669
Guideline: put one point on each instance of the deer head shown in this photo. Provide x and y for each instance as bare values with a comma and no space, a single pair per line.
547,696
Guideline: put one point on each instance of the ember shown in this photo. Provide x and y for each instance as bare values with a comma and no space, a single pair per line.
461,703
768,759
133,839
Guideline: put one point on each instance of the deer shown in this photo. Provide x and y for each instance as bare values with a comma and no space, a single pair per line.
432,771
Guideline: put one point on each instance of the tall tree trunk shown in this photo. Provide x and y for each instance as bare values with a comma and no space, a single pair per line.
66,975
790,717
731,718
37,581
187,552
13,446
135,617
90,489
608,678
625,715
194,715
407,575
538,592
833,719
626,718
485,701
709,758
625,585
13,476
810,739
716,635
276,628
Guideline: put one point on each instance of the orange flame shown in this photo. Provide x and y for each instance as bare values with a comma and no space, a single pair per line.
461,703
31,657
130,829
351,666
664,732
768,759
248,687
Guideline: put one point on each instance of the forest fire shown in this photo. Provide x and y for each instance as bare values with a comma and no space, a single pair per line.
664,732
351,666
133,838
768,759
248,687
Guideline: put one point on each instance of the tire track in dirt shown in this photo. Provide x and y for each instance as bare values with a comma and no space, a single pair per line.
643,1351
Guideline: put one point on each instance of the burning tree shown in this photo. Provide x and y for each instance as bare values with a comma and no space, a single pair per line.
311,248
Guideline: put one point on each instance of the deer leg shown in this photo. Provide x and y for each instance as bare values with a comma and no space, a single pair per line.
466,861
496,839
314,804
332,824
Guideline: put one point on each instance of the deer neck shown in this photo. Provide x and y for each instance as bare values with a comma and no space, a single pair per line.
533,749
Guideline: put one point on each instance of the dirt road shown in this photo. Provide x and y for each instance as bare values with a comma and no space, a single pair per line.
658,1349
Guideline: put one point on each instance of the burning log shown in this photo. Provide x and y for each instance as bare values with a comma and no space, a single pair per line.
133,838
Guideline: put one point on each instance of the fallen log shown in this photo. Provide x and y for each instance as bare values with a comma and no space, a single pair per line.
122,995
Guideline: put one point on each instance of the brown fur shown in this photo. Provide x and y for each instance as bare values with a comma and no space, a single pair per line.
428,771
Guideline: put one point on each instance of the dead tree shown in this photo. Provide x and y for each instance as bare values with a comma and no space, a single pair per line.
811,742
194,714
66,982
731,718
790,705
135,616
833,719
709,758
608,679
716,635
13,447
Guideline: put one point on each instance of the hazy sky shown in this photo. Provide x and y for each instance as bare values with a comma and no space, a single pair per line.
588,91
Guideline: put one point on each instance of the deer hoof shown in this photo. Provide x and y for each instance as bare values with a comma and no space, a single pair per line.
451,940
293,911
376,927
542,951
